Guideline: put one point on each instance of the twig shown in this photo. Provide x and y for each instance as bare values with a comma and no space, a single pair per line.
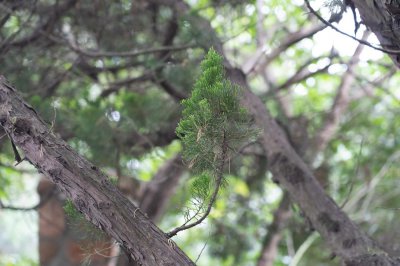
355,174
388,51
201,251
89,53
220,175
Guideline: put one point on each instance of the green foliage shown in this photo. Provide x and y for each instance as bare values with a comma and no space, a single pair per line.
201,186
361,162
71,211
212,116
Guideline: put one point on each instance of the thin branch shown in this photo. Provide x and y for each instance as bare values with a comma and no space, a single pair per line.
261,59
327,23
54,15
116,86
96,54
170,89
220,175
303,73
201,251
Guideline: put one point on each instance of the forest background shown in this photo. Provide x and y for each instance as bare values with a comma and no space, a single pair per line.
109,76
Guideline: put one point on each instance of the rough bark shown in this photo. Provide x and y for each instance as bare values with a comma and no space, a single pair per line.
61,244
382,17
83,183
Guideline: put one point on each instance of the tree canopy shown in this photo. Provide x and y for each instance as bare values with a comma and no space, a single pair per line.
258,119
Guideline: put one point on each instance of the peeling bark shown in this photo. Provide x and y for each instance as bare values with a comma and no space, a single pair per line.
83,183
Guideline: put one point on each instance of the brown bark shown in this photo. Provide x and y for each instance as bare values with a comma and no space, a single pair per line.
61,244
83,183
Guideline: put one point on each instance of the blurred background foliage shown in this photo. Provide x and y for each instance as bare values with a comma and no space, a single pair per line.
67,60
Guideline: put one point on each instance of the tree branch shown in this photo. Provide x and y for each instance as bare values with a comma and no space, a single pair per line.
343,236
329,24
82,182
218,182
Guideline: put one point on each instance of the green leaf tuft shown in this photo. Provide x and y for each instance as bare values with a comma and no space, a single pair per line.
211,114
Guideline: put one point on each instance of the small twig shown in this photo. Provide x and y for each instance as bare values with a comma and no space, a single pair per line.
220,175
355,174
388,51
95,53
201,251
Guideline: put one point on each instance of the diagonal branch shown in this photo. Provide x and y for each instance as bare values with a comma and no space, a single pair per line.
392,52
82,182
97,54
261,59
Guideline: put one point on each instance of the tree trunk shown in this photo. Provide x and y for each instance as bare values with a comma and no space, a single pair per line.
83,183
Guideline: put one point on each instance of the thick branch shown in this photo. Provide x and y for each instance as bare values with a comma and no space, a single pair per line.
82,182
